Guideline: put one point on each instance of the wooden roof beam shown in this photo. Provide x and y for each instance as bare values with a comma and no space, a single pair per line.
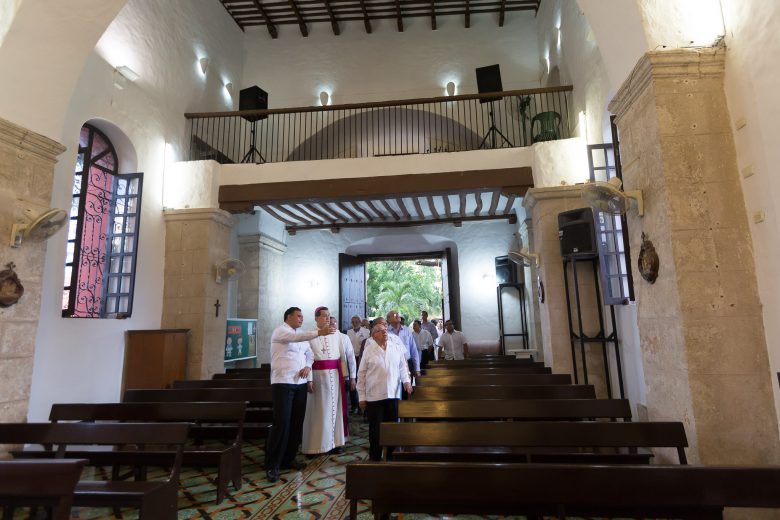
478,199
432,206
299,16
501,12
468,14
433,15
268,23
511,219
399,16
494,202
366,19
333,22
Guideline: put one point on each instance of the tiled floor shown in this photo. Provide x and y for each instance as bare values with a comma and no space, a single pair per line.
317,493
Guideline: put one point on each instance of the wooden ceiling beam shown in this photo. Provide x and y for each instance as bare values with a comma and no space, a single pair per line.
366,214
418,207
501,13
432,206
366,20
514,180
494,202
299,16
303,209
339,215
399,15
509,201
334,24
281,209
390,209
373,207
447,208
433,15
478,199
468,14
462,208
343,207
511,219
322,215
268,23
271,211
402,207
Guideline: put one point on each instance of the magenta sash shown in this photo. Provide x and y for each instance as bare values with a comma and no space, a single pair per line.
330,364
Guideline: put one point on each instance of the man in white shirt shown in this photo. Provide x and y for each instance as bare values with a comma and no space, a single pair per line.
383,369
357,335
453,343
325,426
424,343
291,361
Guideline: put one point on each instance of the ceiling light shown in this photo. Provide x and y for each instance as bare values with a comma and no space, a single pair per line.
128,73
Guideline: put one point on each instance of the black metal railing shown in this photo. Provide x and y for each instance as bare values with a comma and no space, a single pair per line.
507,119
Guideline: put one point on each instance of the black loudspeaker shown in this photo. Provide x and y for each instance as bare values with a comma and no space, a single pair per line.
505,270
253,98
577,234
489,80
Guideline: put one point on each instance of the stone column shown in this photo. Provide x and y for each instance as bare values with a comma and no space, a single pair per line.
195,241
544,204
700,325
530,279
27,164
261,287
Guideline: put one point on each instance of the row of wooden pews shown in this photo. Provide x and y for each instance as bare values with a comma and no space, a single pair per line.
500,436
194,424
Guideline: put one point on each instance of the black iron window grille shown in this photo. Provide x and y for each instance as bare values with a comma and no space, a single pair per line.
103,233
611,231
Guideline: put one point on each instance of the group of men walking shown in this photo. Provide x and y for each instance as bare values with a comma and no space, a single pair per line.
316,374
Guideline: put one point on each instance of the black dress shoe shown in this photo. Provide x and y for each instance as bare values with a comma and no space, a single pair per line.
338,450
272,475
297,466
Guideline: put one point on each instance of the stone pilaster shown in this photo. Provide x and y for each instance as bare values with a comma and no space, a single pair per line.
530,279
700,325
26,171
195,241
544,204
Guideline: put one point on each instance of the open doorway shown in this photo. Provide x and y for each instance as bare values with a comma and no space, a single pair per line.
410,286
371,285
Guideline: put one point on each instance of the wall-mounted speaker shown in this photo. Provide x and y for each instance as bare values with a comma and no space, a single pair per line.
489,80
577,234
253,98
506,272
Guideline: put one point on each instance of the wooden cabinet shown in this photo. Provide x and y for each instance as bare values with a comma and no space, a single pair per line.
154,358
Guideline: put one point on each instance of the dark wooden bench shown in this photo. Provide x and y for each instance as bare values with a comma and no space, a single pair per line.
38,483
488,371
265,369
652,491
258,405
532,441
266,377
222,383
498,379
460,393
467,363
223,421
518,409
156,500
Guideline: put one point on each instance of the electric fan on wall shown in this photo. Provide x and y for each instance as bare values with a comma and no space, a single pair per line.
610,198
524,257
229,269
43,227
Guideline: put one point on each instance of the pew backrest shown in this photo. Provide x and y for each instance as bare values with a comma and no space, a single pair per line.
265,377
254,396
40,483
516,409
222,383
497,379
458,393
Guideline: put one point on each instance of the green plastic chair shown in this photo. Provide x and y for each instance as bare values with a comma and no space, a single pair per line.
549,126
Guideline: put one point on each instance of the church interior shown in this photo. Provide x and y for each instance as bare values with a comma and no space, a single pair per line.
217,162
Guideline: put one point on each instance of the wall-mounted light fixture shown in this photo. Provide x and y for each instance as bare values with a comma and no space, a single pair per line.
324,98
451,88
204,64
123,75
229,87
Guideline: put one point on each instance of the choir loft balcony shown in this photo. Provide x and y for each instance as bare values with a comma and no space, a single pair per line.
508,119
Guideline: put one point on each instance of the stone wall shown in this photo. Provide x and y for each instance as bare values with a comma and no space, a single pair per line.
26,168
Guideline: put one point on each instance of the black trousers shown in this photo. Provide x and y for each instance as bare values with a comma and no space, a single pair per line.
378,412
425,357
289,402
410,364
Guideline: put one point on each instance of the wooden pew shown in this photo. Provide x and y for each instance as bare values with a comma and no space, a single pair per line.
209,421
532,441
258,404
221,383
460,393
243,375
523,409
653,491
497,379
38,483
265,369
157,500
488,371
468,363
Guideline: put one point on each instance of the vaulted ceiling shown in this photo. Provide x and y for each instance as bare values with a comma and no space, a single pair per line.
390,201
270,13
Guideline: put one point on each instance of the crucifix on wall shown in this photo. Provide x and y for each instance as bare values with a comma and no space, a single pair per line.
217,305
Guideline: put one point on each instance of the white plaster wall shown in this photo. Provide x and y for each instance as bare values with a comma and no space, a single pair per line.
752,83
42,54
81,359
386,64
310,267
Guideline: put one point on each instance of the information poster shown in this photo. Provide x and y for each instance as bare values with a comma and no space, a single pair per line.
240,340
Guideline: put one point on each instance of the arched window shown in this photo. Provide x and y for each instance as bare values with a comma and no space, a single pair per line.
103,232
